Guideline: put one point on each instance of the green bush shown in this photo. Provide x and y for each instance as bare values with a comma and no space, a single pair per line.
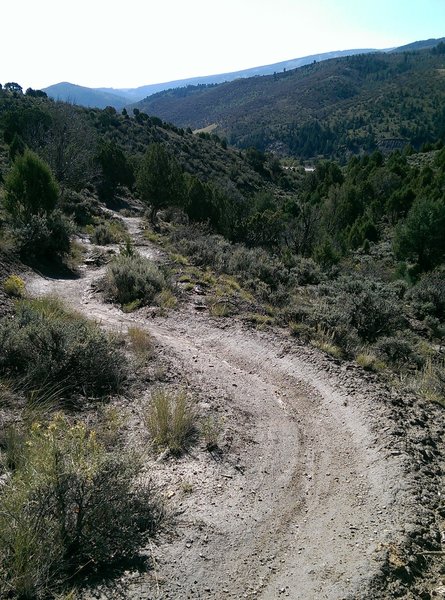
44,236
259,271
305,271
105,234
46,344
420,237
397,351
133,279
81,207
31,188
68,507
428,296
357,310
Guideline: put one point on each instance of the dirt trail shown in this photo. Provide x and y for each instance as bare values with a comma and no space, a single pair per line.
312,493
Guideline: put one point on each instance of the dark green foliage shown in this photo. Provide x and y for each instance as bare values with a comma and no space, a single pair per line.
17,146
257,159
69,146
25,117
398,351
325,254
420,238
45,344
116,169
364,229
439,49
305,271
30,200
80,207
36,93
30,188
13,87
159,180
132,278
200,204
44,236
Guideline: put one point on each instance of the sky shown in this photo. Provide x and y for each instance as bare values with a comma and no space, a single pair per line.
130,43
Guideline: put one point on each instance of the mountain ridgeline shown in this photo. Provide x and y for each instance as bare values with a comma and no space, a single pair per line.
119,97
335,108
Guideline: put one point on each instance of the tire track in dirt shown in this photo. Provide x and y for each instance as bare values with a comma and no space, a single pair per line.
311,505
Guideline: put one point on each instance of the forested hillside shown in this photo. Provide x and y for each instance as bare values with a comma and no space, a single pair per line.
374,226
335,108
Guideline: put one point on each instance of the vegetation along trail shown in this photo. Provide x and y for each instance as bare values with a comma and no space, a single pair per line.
313,495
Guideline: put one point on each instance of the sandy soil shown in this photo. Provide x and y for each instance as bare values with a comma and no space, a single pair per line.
326,483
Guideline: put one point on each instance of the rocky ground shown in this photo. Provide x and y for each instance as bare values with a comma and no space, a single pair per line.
325,483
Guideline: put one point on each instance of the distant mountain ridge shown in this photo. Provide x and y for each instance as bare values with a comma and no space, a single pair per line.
120,97
85,96
339,107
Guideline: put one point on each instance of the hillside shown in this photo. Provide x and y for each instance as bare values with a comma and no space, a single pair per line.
333,108
38,123
102,97
84,96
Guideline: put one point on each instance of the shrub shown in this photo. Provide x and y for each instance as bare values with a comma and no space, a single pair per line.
259,271
44,236
47,344
305,271
166,299
210,430
14,286
428,296
420,237
433,381
357,307
133,278
108,233
369,362
82,207
398,351
170,420
102,235
68,507
31,188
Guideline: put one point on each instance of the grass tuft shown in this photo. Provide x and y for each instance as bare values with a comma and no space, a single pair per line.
170,420
14,286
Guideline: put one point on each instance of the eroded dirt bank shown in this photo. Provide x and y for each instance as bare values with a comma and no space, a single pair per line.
327,483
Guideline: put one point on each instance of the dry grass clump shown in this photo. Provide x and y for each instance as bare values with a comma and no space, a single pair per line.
141,343
170,420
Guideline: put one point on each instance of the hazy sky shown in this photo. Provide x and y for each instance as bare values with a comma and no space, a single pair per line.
128,43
